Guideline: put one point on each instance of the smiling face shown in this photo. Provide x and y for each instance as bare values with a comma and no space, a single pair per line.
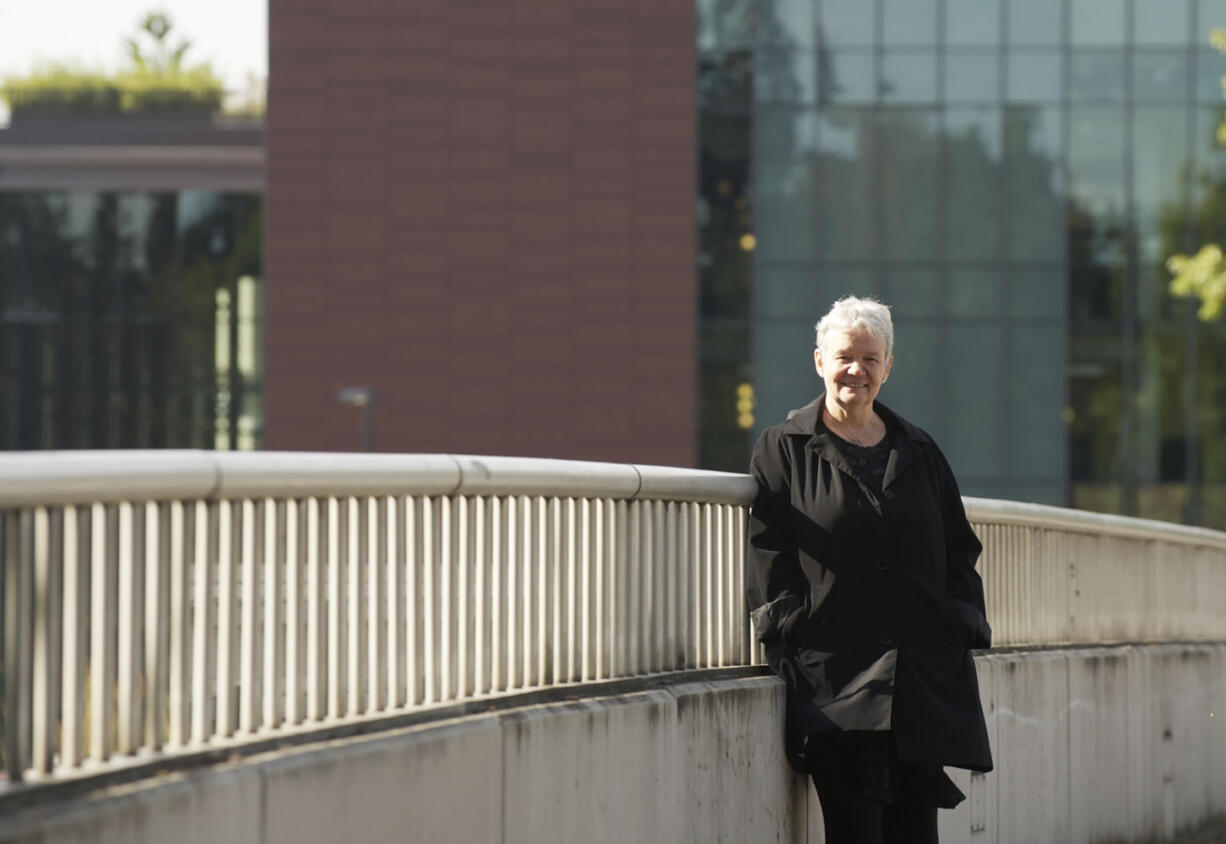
854,366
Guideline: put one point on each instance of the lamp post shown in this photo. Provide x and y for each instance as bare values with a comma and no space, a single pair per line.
363,397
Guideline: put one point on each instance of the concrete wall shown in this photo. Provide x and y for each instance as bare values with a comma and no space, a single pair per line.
1100,744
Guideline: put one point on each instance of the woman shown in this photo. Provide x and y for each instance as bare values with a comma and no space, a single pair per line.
863,591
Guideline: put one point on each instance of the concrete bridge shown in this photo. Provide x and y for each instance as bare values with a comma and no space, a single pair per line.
300,647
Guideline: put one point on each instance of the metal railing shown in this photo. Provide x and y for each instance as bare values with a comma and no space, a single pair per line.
160,603
157,603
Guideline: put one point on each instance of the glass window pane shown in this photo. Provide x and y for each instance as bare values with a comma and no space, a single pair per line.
782,133
1097,23
847,23
1035,206
1035,390
783,376
846,189
785,212
1160,75
1035,77
1096,75
914,292
1096,160
909,23
786,22
788,290
909,78
974,291
1160,23
972,77
783,75
846,77
1036,23
1212,13
975,428
917,366
909,168
972,23
1160,156
1209,190
1036,292
724,23
974,183
1210,68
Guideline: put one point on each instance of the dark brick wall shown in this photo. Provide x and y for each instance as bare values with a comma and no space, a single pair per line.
483,209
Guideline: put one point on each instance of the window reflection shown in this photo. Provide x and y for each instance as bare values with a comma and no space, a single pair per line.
1160,75
909,142
846,185
1036,23
909,77
1161,23
973,146
1097,75
972,77
111,300
972,23
1033,153
1035,77
1097,23
846,77
909,23
847,23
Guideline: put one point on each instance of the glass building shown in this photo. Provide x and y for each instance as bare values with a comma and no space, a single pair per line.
1010,176
130,291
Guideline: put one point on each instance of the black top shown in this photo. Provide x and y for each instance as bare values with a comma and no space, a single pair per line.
866,764
864,591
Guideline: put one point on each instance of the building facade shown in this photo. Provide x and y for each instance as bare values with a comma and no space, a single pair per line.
603,230
1011,177
130,282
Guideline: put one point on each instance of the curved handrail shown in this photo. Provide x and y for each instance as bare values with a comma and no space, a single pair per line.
193,599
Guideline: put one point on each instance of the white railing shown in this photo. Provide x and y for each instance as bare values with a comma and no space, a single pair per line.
188,600
191,601
1054,576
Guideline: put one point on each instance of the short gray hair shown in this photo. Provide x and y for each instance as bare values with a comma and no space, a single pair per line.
852,312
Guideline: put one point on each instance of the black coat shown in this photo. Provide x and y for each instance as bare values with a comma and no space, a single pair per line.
868,605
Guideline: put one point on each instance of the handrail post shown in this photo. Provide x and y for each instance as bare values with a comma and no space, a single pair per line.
10,669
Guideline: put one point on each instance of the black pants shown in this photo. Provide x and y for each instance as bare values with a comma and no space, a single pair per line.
852,819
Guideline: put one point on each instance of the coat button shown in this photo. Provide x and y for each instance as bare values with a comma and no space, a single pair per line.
889,494
881,566
887,639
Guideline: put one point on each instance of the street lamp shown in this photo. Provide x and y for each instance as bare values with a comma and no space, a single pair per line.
363,397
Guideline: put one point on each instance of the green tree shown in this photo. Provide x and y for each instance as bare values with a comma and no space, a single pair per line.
1203,275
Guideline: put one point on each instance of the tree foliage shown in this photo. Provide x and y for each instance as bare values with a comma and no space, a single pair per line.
1203,275
157,78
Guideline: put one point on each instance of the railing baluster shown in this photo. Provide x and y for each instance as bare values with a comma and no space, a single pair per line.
249,638
204,616
316,670
393,557
273,697
157,611
413,642
295,611
336,613
178,691
227,620
376,619
47,597
355,618
102,639
130,632
76,639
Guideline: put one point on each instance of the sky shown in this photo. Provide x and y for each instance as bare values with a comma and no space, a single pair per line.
230,34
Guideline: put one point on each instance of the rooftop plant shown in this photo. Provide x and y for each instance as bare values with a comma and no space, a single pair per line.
156,79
